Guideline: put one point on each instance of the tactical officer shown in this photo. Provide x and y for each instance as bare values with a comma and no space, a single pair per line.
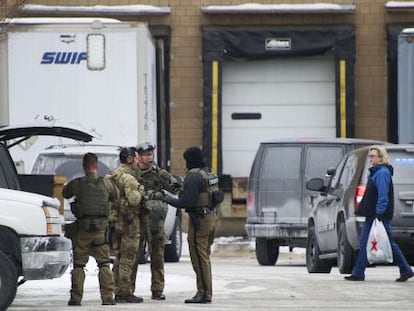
91,208
154,180
125,216
201,228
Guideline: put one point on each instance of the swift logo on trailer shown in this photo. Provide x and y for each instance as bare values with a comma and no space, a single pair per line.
63,58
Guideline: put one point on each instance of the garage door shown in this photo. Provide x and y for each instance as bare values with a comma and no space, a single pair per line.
267,99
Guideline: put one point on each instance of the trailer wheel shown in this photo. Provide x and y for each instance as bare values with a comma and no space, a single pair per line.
267,251
8,281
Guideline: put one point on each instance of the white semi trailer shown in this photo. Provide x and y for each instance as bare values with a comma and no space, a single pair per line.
99,73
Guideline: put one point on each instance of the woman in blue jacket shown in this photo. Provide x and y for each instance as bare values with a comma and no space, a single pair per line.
378,202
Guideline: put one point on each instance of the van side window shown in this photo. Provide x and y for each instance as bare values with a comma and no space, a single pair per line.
321,158
282,163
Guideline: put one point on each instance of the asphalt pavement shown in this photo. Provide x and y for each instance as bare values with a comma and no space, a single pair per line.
240,283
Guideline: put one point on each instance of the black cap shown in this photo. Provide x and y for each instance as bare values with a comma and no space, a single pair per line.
126,154
194,158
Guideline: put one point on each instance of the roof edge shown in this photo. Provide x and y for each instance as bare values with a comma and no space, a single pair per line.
294,8
133,10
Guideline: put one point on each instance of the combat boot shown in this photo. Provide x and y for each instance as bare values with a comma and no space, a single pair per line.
73,302
158,296
196,299
108,302
128,299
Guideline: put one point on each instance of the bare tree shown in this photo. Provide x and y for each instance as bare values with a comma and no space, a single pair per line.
9,8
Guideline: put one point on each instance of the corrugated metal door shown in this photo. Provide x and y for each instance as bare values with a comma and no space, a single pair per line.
267,99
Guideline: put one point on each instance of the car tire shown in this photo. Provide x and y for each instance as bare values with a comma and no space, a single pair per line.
346,255
143,255
313,263
267,251
173,250
8,281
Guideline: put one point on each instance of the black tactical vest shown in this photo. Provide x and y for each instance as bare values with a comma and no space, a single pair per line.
211,194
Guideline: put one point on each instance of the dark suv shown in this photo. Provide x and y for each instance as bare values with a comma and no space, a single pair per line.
333,228
277,200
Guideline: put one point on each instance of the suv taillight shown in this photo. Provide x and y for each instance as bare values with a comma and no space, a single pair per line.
250,203
359,193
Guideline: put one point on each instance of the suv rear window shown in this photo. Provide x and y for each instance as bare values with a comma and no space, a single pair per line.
71,165
403,163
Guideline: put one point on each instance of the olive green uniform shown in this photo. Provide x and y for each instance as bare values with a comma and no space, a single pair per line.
126,217
90,240
154,180
199,243
196,200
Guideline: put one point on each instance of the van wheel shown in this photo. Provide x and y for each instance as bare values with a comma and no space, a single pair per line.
313,263
8,281
173,251
267,251
346,255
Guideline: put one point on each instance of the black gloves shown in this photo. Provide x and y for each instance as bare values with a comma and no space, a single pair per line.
154,195
175,188
379,217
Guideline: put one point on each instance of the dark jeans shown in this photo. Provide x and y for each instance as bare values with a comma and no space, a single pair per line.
362,261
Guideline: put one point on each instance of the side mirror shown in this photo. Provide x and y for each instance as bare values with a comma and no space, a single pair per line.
330,171
316,184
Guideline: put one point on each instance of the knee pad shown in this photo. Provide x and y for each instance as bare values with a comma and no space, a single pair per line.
103,264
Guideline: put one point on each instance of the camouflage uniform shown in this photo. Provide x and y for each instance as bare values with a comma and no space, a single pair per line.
90,239
154,180
127,227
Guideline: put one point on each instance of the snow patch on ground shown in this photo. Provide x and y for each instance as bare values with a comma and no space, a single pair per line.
244,244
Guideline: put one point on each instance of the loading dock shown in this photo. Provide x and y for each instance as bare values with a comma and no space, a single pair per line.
242,67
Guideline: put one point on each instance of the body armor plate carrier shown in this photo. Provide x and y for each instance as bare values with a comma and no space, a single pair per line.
92,198
212,196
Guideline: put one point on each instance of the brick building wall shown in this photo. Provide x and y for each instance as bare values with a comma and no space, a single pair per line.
186,81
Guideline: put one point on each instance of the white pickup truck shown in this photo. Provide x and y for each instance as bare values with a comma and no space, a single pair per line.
32,246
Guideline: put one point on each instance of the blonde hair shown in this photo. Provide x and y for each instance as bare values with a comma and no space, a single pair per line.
382,154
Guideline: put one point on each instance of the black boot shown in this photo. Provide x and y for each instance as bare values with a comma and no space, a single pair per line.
196,299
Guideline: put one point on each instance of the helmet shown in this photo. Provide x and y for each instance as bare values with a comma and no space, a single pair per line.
144,147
